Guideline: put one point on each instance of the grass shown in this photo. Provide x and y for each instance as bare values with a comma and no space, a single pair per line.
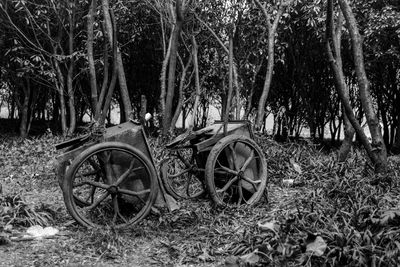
354,212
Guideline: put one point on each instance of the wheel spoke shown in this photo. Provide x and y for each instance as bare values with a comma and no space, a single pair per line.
228,184
117,212
179,174
248,160
240,192
226,169
234,156
133,193
229,170
126,174
92,183
253,182
98,201
92,191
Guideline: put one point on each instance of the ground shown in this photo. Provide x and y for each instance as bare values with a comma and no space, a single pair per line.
284,230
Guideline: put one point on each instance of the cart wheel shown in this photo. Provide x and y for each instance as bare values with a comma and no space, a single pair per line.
236,171
181,176
111,184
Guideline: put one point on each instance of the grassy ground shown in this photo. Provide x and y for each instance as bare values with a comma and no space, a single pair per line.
333,214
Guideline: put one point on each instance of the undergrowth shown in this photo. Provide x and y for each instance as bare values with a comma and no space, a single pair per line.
354,212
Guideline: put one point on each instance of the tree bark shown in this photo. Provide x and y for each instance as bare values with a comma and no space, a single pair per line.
378,155
90,55
71,97
270,63
23,131
110,91
197,81
163,75
120,66
178,109
396,143
172,66
249,105
230,88
60,89
335,58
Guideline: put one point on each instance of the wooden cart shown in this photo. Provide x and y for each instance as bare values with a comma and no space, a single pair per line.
230,168
112,181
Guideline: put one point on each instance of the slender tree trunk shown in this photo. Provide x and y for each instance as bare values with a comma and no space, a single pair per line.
335,58
251,93
396,143
379,155
270,63
171,72
178,109
197,81
60,89
143,108
71,98
230,88
347,143
110,90
120,66
123,86
163,75
90,54
23,131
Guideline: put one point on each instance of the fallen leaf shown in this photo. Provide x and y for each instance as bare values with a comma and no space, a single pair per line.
317,247
287,182
269,226
38,231
250,258
296,166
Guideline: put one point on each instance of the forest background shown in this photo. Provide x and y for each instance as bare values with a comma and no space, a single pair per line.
332,67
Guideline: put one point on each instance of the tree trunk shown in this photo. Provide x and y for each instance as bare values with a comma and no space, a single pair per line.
347,143
270,63
230,88
71,98
23,131
197,81
60,89
396,143
123,86
124,93
178,109
379,155
171,74
335,58
163,75
90,54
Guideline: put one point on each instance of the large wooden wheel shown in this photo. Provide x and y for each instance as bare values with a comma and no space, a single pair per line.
111,184
181,176
236,171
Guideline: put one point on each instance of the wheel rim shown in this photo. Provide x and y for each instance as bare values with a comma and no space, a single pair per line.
181,175
238,173
111,187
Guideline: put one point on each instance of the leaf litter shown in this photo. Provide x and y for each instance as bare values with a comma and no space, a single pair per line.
332,214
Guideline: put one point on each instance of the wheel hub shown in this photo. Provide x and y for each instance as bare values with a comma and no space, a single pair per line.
240,174
113,189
